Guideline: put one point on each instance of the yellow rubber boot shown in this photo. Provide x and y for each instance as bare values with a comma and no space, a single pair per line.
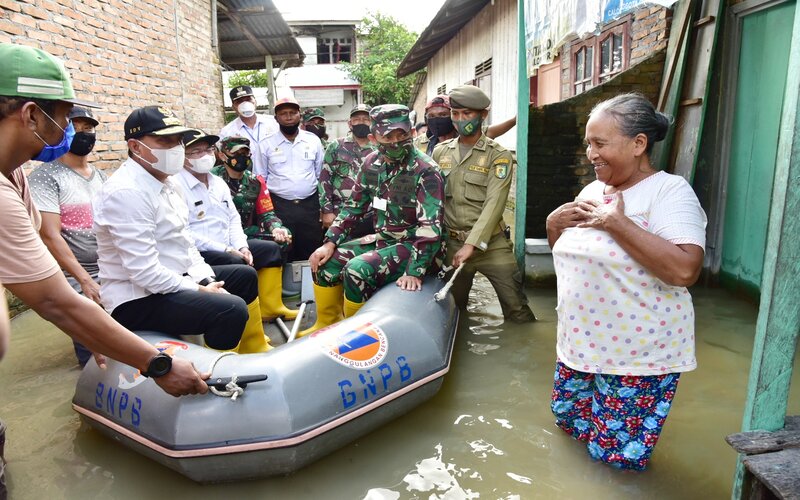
329,307
350,308
270,286
253,339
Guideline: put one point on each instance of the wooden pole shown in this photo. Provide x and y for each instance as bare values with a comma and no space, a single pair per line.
523,99
270,84
779,315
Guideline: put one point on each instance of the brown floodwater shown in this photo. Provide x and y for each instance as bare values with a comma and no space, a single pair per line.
487,434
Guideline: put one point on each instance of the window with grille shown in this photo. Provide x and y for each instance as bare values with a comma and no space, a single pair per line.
600,58
334,50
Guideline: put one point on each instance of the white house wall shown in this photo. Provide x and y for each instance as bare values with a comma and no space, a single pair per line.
491,34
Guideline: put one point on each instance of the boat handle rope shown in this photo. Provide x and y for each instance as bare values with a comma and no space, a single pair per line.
232,389
441,294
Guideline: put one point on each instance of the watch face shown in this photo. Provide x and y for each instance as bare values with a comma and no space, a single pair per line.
160,365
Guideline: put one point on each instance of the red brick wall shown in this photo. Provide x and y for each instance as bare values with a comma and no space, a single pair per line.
125,54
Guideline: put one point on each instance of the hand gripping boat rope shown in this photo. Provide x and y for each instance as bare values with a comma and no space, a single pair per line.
232,389
441,294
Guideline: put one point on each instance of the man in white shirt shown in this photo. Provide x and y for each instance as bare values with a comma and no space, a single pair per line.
293,161
249,124
152,276
216,226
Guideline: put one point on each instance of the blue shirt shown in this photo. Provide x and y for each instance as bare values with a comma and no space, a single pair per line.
292,169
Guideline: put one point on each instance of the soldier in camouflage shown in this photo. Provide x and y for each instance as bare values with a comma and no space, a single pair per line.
407,193
477,174
343,160
313,120
249,192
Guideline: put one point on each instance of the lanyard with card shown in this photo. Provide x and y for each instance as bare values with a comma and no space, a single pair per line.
379,204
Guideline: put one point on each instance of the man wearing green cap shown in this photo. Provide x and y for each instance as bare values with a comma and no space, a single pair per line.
35,97
314,122
406,191
477,174
343,160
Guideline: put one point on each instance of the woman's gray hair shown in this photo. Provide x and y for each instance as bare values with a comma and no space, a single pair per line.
635,115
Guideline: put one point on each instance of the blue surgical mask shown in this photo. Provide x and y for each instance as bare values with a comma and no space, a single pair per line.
51,153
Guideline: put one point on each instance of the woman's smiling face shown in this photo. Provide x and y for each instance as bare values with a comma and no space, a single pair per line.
613,155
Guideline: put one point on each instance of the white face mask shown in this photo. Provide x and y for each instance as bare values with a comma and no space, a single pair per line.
169,161
247,109
202,165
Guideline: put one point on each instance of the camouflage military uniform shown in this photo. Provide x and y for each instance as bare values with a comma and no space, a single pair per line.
408,232
476,191
252,200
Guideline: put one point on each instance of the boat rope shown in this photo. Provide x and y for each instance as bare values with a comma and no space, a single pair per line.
441,294
232,389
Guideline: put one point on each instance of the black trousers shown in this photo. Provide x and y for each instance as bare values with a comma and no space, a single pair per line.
266,253
220,317
302,219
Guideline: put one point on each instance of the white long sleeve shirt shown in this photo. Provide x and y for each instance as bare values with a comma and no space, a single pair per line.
265,126
214,222
143,241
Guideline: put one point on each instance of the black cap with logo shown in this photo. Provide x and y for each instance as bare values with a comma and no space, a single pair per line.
241,91
152,120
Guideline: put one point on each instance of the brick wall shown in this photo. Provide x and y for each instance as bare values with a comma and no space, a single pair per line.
557,165
648,33
125,54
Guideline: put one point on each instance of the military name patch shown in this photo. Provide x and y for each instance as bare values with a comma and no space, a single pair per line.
478,168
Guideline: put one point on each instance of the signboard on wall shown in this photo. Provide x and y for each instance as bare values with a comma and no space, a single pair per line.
319,97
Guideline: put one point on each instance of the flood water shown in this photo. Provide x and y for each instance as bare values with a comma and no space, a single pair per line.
487,434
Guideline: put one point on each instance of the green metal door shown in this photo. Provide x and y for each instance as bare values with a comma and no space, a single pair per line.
763,64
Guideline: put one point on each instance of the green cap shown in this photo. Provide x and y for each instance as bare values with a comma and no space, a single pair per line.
32,72
234,143
310,113
469,97
389,117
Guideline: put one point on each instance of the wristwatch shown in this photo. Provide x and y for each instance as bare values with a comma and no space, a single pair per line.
206,281
159,365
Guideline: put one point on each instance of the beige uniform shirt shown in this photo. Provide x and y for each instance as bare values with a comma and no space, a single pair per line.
476,188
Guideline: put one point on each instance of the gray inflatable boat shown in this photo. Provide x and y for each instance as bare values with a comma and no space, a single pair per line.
290,406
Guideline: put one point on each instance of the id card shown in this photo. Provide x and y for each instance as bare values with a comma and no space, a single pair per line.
379,204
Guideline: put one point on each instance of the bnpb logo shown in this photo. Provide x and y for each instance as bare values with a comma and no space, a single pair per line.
362,347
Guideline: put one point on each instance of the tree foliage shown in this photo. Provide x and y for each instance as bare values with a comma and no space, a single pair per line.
253,78
383,43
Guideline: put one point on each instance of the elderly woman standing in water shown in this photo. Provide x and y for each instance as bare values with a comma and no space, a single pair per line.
625,250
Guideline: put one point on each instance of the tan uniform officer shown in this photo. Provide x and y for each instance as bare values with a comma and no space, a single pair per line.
477,174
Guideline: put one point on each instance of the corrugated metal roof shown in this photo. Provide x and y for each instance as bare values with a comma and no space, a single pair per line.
249,30
453,15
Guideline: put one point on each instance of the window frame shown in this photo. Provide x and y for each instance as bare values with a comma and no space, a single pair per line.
620,27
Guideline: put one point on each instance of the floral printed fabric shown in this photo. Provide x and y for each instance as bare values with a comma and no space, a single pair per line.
619,417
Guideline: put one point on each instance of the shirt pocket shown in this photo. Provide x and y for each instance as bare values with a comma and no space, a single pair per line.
475,186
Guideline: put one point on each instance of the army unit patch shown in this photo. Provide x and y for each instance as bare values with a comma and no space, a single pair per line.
501,171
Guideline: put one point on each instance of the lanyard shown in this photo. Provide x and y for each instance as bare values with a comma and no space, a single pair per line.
257,129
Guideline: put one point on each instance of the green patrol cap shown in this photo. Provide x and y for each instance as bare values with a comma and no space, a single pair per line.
390,117
32,72
234,143
310,113
360,108
469,97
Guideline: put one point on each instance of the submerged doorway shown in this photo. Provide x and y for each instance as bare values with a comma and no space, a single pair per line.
761,57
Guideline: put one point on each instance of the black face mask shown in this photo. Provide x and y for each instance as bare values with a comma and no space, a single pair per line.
360,130
440,126
83,143
239,163
318,130
289,129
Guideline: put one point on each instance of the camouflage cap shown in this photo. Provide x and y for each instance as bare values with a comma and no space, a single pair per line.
360,108
234,143
469,97
440,100
389,117
310,113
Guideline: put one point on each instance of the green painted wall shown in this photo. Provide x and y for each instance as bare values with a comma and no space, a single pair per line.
763,65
